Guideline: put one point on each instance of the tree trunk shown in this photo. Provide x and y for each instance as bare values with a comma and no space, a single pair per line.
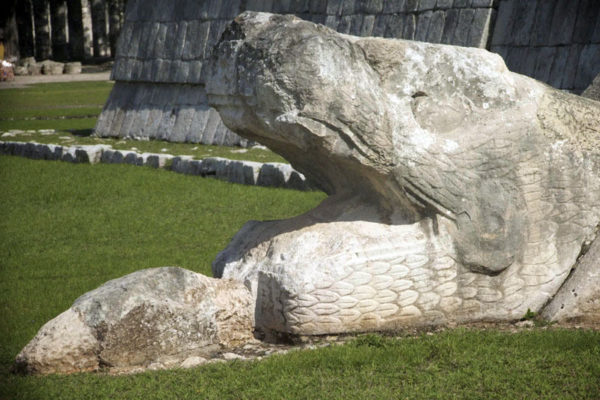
25,27
99,27
10,33
86,19
116,13
58,11
75,29
43,40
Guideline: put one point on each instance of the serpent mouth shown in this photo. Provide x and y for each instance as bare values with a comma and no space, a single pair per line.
421,226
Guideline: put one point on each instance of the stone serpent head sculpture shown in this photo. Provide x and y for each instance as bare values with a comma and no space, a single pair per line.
458,191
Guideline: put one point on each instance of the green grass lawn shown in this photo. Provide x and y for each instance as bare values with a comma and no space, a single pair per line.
72,109
67,228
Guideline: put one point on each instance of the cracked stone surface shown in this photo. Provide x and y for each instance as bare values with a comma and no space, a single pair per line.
458,190
153,318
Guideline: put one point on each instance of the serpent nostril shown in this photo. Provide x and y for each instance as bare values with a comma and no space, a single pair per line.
419,94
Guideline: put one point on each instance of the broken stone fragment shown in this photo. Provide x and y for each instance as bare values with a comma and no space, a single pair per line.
458,190
161,316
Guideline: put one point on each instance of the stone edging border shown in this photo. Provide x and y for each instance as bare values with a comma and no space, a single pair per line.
235,171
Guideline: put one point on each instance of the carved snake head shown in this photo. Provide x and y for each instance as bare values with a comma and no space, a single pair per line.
425,132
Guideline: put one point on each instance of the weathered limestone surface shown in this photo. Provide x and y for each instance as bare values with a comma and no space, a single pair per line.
159,317
593,91
459,191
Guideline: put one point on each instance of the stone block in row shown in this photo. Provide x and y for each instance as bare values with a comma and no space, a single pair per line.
436,27
444,4
545,60
461,3
557,71
394,7
426,5
588,66
479,31
587,20
482,3
422,26
504,22
450,26
463,29
563,22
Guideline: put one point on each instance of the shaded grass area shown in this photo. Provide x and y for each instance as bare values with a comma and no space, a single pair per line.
72,109
67,228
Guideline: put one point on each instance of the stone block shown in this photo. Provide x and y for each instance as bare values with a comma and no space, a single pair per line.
380,25
411,6
423,23
436,27
300,6
272,175
367,26
348,7
281,7
370,6
260,5
482,3
461,33
425,5
73,67
545,60
596,35
164,11
563,22
480,28
528,64
504,22
444,4
317,6
559,63
587,19
410,26
524,19
181,164
212,122
356,22
588,66
230,9
195,74
182,124
190,47
332,21
395,25
450,26
571,67
297,181
461,3
516,58
334,7
394,6
344,25
542,26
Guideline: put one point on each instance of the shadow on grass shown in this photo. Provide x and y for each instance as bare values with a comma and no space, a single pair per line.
81,132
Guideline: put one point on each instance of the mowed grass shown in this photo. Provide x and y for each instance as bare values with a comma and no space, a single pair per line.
52,101
67,228
72,109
